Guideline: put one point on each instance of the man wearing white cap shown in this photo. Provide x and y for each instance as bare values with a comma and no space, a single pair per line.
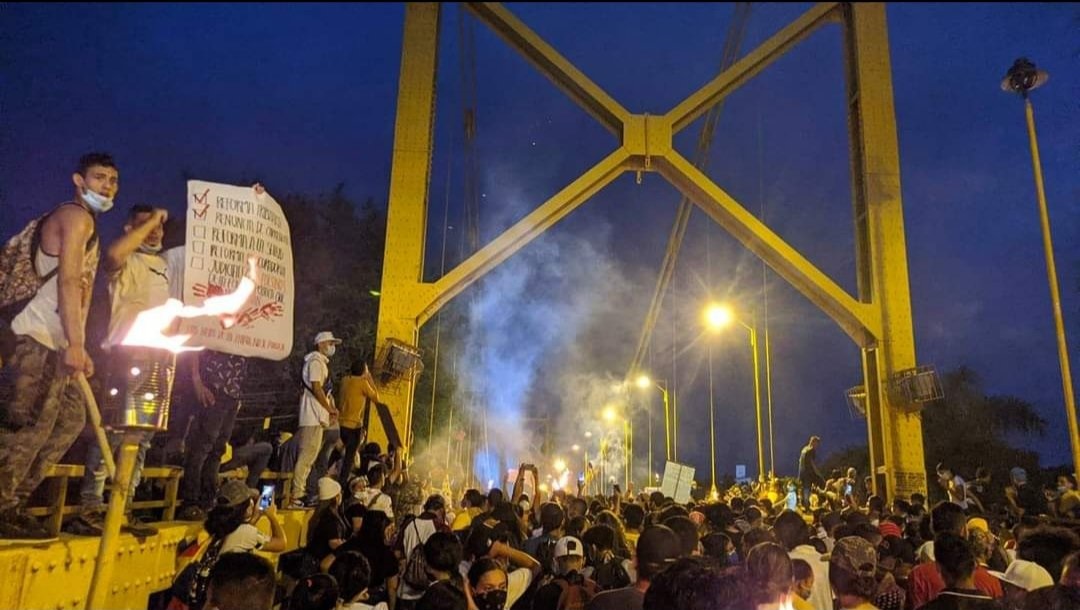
317,411
1021,577
569,583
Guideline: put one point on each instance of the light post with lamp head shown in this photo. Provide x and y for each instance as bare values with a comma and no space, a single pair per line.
1022,78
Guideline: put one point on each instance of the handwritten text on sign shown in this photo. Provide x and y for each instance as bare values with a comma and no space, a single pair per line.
226,225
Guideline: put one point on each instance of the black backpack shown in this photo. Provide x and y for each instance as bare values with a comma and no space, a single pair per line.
611,574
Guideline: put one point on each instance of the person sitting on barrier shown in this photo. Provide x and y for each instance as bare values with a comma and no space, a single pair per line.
233,519
249,453
241,581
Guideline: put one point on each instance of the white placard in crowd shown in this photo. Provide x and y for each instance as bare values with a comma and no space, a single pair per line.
678,479
226,226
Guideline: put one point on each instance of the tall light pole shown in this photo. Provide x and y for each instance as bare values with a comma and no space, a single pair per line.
644,382
718,317
1022,78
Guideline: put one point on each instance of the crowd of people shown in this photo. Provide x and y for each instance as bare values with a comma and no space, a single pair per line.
378,539
738,551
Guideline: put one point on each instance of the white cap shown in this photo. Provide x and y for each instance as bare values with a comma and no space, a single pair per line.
567,546
328,488
326,336
1027,575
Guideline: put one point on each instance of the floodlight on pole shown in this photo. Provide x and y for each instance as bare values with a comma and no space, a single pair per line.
643,382
1021,79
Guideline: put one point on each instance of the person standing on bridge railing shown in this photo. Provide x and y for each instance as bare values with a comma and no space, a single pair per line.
317,412
138,280
809,475
46,281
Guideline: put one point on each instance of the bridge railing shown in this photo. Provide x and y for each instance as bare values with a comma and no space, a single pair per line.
59,477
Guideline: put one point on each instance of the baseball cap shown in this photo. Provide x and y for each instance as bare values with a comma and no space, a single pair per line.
568,546
326,336
235,493
328,488
854,555
888,528
978,523
1027,575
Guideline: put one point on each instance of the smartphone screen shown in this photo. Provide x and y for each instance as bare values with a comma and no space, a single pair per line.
267,497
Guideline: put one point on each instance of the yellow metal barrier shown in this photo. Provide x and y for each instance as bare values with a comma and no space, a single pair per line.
57,574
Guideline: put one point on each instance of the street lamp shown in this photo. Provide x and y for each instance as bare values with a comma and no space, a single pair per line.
1022,78
718,317
644,382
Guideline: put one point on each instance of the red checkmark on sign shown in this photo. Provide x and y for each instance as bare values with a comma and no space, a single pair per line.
201,201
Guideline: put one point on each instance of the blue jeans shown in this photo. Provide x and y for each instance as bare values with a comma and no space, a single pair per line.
92,490
330,438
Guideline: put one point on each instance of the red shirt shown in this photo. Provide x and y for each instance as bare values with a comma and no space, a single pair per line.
925,583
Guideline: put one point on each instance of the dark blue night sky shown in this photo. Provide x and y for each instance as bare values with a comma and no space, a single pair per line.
302,97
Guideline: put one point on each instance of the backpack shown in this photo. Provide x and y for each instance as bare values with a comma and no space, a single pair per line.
577,594
189,588
545,554
611,574
415,573
19,277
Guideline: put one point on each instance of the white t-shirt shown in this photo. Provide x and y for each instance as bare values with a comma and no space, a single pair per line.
316,369
821,594
174,260
244,539
517,583
141,284
376,499
416,533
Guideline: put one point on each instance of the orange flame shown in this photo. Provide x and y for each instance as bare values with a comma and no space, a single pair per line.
149,327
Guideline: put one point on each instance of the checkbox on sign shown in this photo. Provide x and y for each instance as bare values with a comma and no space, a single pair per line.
198,247
197,262
199,232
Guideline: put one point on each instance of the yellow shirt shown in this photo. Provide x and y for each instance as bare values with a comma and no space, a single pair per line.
464,519
799,603
354,389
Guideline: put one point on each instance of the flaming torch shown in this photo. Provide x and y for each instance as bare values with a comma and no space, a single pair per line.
145,398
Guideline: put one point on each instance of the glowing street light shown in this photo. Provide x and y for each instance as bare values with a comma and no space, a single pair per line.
588,434
560,465
610,415
718,316
644,382
575,448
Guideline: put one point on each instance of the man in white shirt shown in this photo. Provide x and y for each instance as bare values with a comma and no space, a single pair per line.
794,535
317,410
138,280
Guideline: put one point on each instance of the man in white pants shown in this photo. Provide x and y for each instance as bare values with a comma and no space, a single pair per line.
317,410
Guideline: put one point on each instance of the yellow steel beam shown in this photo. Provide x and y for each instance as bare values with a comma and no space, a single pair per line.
406,217
859,320
551,64
525,230
895,432
746,68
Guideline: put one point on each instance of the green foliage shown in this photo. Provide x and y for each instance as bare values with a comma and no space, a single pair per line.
337,257
965,430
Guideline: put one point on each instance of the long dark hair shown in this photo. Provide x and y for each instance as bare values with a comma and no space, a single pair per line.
327,509
223,520
372,532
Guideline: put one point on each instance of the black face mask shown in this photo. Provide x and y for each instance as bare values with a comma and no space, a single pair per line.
492,600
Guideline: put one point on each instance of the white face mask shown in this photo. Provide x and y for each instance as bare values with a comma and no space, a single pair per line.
97,203
148,249
330,350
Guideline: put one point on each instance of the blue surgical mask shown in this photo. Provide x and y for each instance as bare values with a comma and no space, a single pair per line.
97,203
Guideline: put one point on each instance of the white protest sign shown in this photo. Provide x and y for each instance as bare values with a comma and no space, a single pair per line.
226,226
678,479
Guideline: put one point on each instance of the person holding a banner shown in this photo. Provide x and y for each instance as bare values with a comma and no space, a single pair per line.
46,280
317,410
138,281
